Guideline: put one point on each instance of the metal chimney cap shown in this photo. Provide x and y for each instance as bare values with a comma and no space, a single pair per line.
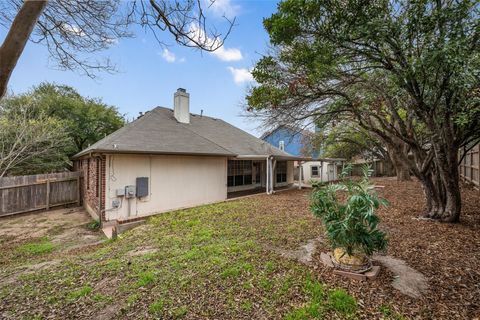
181,90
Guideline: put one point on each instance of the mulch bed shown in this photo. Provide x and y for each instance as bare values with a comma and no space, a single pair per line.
448,255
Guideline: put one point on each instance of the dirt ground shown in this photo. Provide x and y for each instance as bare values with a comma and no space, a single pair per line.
251,258
66,226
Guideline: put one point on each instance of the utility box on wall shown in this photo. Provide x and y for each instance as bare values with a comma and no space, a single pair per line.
129,192
142,187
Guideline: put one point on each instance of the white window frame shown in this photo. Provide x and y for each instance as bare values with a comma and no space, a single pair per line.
318,171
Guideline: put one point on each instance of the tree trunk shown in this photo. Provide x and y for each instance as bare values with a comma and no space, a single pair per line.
17,38
401,168
446,160
442,188
433,196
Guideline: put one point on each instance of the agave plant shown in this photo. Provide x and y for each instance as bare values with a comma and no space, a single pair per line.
352,224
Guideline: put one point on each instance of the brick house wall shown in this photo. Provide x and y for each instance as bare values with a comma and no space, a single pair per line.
93,185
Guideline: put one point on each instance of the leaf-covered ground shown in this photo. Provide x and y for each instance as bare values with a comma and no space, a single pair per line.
222,261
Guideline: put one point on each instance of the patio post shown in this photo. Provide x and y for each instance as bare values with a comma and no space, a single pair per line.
300,167
266,178
269,182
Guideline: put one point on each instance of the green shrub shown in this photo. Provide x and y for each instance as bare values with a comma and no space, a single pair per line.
351,224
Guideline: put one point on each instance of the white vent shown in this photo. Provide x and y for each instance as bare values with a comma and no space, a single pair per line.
281,145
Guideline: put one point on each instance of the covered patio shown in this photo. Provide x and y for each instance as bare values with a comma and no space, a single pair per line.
255,174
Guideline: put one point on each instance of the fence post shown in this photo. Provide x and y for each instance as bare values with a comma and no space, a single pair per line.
48,194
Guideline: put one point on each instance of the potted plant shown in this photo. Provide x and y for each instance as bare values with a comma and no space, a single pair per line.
347,210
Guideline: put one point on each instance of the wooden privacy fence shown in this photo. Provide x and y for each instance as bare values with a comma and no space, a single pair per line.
42,191
470,165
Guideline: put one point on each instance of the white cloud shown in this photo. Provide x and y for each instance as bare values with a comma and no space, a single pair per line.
230,54
168,56
222,8
240,75
222,53
72,29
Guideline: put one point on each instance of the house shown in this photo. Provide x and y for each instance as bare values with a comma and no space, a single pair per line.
171,159
299,142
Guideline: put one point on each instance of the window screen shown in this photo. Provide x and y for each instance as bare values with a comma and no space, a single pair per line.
239,172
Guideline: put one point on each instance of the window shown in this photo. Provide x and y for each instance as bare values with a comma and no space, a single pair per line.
314,171
239,172
281,145
281,171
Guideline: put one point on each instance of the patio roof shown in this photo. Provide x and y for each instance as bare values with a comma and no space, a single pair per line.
276,157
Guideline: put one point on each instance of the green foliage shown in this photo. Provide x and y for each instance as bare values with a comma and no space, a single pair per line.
315,305
145,278
79,293
30,141
86,120
347,140
351,224
340,301
156,308
319,301
94,225
35,248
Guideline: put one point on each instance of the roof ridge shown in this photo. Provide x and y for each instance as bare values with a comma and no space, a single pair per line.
208,139
191,113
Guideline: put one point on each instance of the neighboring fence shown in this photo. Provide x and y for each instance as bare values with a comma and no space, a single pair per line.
469,167
42,191
380,168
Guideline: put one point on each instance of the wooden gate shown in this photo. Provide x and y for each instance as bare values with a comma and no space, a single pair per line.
42,191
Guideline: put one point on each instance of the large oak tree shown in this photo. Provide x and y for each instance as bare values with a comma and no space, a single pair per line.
406,71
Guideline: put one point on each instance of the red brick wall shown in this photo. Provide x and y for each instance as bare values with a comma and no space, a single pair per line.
93,169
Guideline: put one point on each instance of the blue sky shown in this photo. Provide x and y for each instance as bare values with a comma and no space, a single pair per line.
149,74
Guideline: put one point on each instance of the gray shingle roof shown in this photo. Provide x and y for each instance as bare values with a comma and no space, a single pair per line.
158,132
